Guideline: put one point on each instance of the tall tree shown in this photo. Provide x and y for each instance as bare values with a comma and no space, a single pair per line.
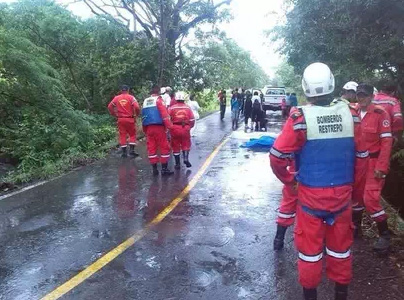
168,21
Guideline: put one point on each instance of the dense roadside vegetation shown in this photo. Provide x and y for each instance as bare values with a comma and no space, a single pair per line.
58,72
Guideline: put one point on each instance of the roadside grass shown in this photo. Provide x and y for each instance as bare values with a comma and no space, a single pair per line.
66,163
106,140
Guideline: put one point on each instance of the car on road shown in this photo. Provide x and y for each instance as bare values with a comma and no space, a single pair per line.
273,98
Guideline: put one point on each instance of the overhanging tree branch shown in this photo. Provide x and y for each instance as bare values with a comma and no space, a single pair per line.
186,27
103,13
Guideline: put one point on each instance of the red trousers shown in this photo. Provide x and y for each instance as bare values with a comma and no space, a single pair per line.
156,137
180,138
310,234
127,126
287,210
371,192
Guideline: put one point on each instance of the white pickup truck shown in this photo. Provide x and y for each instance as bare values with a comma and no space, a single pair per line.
273,97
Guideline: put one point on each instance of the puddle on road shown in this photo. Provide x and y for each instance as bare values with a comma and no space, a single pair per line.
84,203
202,278
36,223
213,237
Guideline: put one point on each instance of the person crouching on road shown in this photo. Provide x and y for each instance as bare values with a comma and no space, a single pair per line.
376,133
235,110
125,108
183,120
330,163
156,121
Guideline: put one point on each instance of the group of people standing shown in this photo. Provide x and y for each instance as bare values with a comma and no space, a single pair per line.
333,157
244,102
167,122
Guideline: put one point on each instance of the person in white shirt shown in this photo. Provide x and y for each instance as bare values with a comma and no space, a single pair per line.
165,94
195,109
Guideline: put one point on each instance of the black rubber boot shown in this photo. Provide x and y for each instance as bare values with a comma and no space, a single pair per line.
165,171
382,245
132,151
310,294
341,291
357,221
124,151
177,162
155,170
186,159
279,237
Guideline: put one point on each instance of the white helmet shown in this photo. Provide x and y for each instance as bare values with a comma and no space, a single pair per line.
180,96
163,90
168,89
318,80
350,86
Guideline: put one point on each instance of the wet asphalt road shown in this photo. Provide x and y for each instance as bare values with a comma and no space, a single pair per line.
217,243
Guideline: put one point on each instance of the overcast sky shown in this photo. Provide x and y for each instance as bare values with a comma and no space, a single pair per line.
251,18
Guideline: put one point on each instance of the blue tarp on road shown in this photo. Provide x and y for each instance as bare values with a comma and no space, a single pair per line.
262,142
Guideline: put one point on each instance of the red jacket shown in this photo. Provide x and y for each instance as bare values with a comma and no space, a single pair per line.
393,107
377,136
124,106
181,114
291,140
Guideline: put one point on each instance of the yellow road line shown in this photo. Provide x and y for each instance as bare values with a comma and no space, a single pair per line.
111,255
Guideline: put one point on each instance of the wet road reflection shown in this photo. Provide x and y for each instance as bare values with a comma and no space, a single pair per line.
216,244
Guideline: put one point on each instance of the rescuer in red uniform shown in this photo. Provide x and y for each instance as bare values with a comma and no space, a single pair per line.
377,136
183,120
287,210
388,100
325,141
125,108
156,121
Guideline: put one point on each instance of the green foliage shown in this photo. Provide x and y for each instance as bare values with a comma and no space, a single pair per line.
59,72
207,100
286,76
167,21
218,63
361,40
39,126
